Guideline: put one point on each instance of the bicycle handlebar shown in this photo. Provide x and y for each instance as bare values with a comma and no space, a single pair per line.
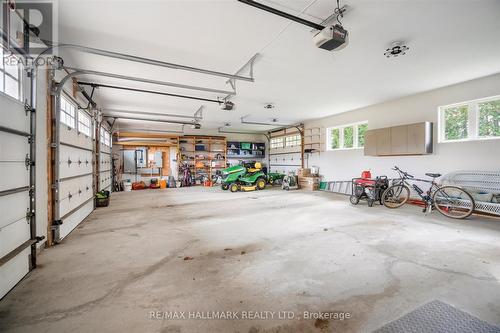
403,172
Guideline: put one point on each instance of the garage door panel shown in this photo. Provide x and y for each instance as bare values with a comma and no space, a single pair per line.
13,147
74,192
285,162
14,234
13,115
104,180
104,162
105,149
13,207
74,162
13,271
14,175
72,221
72,137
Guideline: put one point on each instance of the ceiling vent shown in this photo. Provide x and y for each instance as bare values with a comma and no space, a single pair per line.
397,49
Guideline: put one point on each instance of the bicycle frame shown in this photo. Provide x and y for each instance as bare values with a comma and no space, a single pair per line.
405,178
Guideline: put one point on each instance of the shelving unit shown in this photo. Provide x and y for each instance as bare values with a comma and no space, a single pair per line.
204,154
256,150
314,140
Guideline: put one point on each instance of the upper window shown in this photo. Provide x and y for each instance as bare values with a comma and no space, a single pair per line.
83,123
105,137
67,113
277,142
474,120
293,140
107,140
10,75
350,136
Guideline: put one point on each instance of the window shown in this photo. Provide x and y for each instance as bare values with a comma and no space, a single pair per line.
456,121
67,114
489,119
474,120
10,75
361,134
105,137
293,140
83,123
277,142
349,136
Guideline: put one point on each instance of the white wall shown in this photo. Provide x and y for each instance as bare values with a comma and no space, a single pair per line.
447,157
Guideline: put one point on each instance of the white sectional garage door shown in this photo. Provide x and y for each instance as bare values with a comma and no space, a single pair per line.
75,195
15,237
285,153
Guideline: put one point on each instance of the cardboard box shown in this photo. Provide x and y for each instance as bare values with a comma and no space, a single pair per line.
303,172
310,183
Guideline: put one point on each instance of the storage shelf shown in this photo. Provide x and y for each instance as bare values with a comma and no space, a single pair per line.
214,146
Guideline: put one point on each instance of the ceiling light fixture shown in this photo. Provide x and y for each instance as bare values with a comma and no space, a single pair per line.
397,49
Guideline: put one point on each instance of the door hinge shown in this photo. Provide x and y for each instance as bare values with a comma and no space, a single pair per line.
28,108
28,162
57,222
29,215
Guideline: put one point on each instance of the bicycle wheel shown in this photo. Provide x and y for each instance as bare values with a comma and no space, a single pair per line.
454,202
396,196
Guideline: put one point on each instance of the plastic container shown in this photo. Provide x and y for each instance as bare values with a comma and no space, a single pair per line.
127,186
102,202
163,183
366,174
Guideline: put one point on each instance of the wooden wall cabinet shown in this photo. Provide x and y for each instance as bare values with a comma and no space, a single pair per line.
412,139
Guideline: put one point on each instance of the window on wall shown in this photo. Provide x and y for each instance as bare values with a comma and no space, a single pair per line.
277,142
473,120
349,136
105,137
84,123
293,141
10,75
67,112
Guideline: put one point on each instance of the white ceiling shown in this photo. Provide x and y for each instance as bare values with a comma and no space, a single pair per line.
450,42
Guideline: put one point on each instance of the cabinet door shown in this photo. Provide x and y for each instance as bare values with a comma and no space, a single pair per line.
399,140
416,138
371,143
383,141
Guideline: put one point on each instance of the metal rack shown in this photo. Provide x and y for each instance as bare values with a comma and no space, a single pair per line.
213,145
484,181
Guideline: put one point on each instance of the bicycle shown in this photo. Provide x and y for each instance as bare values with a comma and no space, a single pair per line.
451,201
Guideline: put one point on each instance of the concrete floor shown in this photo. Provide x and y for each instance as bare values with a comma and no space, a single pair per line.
259,251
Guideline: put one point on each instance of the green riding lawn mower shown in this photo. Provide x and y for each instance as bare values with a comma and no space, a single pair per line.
248,177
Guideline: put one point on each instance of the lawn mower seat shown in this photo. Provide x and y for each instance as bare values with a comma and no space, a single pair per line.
256,167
